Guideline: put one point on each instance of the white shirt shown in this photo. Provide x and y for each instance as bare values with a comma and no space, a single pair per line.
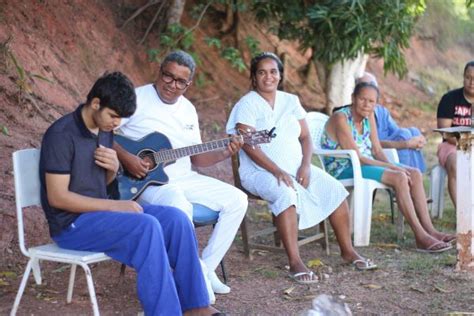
323,194
285,149
178,121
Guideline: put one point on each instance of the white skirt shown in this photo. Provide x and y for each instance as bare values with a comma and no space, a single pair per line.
313,204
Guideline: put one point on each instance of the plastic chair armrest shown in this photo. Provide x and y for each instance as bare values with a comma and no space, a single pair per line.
391,154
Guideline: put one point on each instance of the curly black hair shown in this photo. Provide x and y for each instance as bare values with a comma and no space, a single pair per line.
115,91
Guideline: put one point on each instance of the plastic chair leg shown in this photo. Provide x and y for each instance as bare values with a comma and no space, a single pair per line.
392,206
70,288
400,226
35,265
362,218
23,282
90,285
224,274
245,238
442,180
122,270
351,209
437,179
276,234
323,227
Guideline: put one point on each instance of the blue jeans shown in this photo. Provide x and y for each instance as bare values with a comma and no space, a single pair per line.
159,244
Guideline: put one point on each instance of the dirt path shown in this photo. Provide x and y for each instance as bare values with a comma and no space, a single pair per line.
405,283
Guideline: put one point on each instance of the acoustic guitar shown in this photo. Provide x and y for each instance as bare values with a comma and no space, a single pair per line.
158,149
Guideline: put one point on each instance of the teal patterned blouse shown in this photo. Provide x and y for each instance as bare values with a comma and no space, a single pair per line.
335,166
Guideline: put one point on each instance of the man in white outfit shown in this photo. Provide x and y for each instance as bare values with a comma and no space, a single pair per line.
162,107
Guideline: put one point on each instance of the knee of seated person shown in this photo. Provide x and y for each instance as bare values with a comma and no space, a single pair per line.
291,208
148,223
287,195
401,180
240,199
178,215
416,174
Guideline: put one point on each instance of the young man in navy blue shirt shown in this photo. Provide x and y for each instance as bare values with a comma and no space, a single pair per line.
77,162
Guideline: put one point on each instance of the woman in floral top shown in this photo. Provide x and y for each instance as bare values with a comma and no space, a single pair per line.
354,128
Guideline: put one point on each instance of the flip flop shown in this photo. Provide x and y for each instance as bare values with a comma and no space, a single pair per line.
364,264
449,239
433,249
296,277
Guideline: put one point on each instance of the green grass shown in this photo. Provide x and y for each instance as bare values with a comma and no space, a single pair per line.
420,263
384,233
269,274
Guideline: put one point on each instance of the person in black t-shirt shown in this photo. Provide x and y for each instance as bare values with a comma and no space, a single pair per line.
76,164
454,109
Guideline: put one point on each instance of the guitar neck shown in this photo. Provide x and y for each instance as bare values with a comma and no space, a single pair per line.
174,154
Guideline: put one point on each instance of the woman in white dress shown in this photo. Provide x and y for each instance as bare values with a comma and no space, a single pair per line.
300,195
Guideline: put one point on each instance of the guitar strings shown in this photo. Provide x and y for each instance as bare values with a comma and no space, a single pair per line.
167,154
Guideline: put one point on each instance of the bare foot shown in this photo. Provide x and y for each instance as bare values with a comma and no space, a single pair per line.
351,256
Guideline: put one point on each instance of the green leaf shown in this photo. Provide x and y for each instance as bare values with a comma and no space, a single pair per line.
19,69
338,30
166,40
8,274
212,41
187,41
153,54
4,130
253,45
41,78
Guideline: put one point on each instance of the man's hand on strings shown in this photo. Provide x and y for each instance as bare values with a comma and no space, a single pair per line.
137,166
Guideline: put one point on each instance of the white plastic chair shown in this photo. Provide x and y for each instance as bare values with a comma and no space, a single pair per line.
362,190
27,193
437,181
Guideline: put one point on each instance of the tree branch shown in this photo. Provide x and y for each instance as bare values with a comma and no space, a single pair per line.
139,11
152,23
195,25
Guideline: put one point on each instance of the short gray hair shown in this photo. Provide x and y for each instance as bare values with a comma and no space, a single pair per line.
367,77
181,58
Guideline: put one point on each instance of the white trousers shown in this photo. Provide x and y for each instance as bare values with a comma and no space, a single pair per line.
230,202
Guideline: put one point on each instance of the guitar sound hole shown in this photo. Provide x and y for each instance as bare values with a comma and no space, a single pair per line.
147,155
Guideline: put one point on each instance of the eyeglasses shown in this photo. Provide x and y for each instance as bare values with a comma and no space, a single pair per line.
181,84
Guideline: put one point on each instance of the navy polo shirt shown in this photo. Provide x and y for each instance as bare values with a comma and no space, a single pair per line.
68,148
